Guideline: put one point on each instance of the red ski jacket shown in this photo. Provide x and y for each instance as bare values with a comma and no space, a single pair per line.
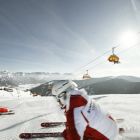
71,131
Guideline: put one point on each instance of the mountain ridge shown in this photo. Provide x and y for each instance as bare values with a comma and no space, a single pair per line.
105,85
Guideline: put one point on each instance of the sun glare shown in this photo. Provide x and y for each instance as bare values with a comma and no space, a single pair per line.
129,38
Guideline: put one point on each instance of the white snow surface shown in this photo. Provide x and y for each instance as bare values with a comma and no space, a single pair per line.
30,112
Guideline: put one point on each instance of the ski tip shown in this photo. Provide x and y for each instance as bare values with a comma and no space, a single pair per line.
121,130
25,136
44,125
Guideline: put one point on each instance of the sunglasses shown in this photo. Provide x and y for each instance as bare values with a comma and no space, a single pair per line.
61,95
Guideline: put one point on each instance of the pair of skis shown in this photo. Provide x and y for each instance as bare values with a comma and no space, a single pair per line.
43,135
54,134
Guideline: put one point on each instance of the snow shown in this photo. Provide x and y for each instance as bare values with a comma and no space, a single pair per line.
30,112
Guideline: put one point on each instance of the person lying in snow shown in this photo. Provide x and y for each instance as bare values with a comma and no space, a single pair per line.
85,120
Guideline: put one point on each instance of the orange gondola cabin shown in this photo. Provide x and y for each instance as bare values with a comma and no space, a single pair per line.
113,58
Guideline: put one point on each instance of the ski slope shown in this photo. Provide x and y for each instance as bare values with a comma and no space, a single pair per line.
31,111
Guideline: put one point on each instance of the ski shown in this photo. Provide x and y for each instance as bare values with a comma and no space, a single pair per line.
53,134
119,120
7,113
40,135
52,124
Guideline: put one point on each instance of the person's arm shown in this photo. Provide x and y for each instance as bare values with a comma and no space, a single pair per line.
71,133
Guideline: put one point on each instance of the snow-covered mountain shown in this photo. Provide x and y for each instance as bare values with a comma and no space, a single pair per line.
17,78
114,86
102,85
105,85
129,78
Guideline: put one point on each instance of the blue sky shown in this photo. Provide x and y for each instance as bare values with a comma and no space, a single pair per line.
63,35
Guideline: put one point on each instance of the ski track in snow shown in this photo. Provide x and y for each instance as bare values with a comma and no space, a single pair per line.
30,112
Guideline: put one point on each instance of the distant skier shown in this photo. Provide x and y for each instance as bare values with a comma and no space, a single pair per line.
85,120
4,109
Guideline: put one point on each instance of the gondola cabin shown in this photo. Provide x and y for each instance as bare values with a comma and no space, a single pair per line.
86,76
113,58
